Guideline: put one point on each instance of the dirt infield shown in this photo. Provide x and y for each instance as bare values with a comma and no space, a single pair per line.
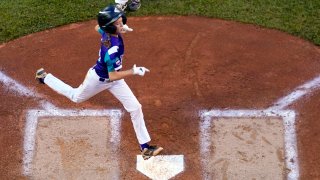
196,63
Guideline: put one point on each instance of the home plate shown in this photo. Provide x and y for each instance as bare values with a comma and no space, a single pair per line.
161,167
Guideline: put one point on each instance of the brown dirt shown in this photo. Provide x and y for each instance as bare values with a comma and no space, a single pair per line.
196,63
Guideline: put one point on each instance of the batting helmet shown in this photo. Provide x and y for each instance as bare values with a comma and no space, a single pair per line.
106,17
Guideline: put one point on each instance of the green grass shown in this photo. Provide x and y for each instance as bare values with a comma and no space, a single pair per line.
21,17
297,17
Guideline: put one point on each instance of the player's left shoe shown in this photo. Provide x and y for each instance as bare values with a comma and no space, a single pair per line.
40,75
151,151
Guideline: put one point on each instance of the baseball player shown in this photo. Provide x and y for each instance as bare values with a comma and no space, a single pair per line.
107,74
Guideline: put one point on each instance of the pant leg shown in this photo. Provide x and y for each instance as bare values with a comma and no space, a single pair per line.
123,93
90,87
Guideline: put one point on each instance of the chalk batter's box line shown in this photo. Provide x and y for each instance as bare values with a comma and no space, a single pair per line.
288,117
33,115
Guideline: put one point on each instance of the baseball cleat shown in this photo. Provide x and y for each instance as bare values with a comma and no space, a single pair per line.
151,151
40,75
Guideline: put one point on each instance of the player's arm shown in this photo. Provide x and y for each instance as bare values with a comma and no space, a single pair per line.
98,29
116,75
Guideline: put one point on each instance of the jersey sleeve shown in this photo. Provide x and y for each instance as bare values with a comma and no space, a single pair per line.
113,61
100,31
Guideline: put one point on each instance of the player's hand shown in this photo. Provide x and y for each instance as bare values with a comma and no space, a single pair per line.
139,70
125,28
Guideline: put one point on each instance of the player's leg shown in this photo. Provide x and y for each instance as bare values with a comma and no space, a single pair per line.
123,93
90,87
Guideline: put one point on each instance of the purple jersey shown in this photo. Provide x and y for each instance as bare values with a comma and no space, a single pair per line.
110,54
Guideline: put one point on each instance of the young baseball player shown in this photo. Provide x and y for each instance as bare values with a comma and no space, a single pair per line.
107,74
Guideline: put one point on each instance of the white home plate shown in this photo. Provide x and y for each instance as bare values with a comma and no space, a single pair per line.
161,167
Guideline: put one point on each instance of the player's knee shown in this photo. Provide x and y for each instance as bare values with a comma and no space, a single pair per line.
135,107
136,112
138,106
77,100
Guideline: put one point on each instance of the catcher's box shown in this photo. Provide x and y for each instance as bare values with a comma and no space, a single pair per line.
247,148
74,148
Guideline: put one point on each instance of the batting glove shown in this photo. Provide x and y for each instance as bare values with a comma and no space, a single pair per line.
126,28
139,70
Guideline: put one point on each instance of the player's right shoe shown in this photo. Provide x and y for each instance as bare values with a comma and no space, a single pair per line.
151,151
40,75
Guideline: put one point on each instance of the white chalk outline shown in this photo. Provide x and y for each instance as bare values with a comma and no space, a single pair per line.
288,116
277,110
32,120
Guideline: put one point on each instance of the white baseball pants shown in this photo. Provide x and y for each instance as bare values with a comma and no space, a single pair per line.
92,86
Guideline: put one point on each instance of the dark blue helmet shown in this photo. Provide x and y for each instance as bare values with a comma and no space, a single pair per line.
106,17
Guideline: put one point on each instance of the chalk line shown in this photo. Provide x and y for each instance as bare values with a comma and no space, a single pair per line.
16,87
21,90
298,93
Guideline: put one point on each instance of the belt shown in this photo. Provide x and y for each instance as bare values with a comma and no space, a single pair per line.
103,79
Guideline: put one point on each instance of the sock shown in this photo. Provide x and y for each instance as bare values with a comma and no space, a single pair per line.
145,145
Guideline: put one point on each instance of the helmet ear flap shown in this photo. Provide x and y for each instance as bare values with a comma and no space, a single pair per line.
112,29
124,19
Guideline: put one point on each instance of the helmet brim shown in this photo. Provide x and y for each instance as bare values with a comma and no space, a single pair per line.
114,18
